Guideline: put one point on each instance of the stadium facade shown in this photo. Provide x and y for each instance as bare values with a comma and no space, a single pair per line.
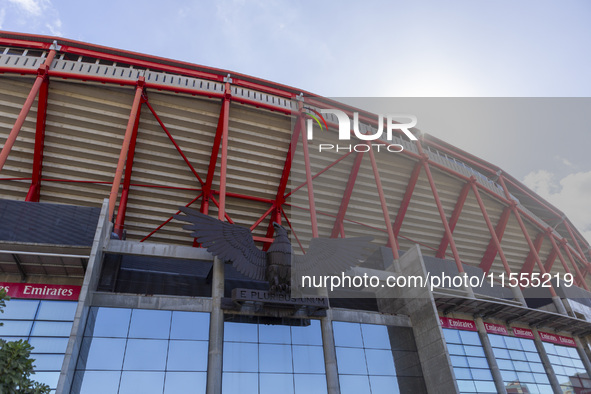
102,146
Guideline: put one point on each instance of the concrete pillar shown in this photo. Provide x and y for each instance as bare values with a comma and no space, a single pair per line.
546,362
91,277
583,355
490,356
330,354
216,330
559,305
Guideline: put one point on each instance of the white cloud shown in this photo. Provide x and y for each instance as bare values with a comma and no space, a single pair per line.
571,194
2,16
33,7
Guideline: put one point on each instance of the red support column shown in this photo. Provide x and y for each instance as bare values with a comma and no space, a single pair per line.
125,146
223,120
455,216
35,188
20,120
391,238
530,261
448,233
338,227
581,254
551,259
410,187
122,210
580,277
224,156
311,200
491,250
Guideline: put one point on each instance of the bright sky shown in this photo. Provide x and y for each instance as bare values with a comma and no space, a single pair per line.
456,48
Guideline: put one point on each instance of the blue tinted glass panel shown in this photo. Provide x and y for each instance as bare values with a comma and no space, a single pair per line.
271,383
496,340
96,382
48,378
185,382
477,362
241,357
310,384
101,353
309,335
275,358
48,362
274,334
456,350
108,322
57,310
466,386
187,356
240,332
351,361
243,383
49,345
20,310
528,345
459,361
375,337
352,384
16,328
451,336
308,359
141,382
347,334
51,329
380,362
485,387
474,351
463,373
145,355
383,385
481,374
190,325
150,324
470,338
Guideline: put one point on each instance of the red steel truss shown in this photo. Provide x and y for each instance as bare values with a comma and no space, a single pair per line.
206,192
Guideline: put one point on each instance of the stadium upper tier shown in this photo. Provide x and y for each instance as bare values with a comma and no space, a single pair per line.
80,123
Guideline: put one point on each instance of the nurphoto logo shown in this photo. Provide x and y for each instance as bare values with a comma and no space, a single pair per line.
344,126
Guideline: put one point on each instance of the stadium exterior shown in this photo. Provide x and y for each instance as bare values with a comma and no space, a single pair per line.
100,149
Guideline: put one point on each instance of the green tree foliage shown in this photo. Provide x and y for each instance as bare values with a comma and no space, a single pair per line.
16,366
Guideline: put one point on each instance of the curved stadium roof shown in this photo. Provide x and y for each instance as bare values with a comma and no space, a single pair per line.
89,99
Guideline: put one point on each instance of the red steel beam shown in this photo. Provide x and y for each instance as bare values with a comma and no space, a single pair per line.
171,138
170,218
125,146
122,210
20,120
442,215
338,227
530,261
391,238
35,188
410,187
455,216
577,245
224,157
559,254
551,259
491,250
580,277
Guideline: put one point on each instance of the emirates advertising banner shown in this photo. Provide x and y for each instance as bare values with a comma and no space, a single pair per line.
40,291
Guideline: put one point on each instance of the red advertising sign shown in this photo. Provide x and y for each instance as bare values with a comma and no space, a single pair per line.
458,324
496,329
557,339
523,332
41,291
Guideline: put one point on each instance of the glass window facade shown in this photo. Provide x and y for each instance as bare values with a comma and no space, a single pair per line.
520,364
129,351
46,325
469,362
568,368
364,358
261,358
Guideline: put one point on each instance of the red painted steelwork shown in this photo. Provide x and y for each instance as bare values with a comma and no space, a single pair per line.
18,124
575,266
551,259
35,188
122,209
491,250
391,238
170,218
530,262
178,148
224,157
492,231
455,216
125,146
410,187
582,256
338,227
311,201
